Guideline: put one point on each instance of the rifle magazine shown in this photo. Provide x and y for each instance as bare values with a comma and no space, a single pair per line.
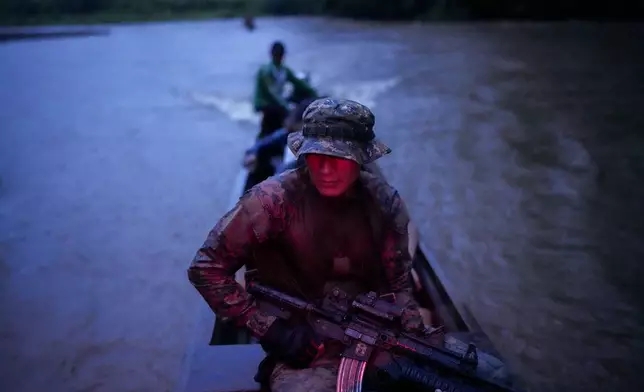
350,375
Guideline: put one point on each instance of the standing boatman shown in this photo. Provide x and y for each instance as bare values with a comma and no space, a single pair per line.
269,100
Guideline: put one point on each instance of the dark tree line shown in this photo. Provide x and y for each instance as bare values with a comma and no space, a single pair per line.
361,9
17,8
482,9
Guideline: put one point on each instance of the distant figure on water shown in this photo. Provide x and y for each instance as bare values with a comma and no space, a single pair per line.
249,23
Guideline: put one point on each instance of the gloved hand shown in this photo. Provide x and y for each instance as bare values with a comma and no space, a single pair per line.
297,346
412,320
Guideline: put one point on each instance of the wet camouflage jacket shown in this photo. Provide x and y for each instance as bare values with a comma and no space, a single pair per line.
300,241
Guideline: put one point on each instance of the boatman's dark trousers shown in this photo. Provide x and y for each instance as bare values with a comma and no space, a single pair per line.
272,119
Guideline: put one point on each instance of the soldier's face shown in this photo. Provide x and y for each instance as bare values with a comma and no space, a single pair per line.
332,176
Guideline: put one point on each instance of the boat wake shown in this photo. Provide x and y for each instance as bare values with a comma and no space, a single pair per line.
236,109
366,93
241,110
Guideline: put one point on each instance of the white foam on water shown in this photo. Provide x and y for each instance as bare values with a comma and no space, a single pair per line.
241,110
236,109
366,92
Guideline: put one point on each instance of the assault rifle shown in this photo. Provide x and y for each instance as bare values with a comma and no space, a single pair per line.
369,323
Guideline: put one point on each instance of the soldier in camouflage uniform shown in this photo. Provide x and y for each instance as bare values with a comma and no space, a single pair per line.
325,224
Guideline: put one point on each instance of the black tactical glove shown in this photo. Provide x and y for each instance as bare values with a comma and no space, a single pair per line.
296,346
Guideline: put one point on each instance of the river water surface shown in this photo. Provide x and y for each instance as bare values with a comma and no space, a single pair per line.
518,149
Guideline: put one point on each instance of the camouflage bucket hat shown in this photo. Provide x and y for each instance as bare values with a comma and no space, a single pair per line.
339,128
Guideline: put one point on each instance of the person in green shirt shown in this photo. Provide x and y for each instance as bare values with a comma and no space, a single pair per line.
269,100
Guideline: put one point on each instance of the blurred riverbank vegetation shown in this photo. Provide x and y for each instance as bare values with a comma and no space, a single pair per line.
24,12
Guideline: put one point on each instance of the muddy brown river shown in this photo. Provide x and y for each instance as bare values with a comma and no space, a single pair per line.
518,149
